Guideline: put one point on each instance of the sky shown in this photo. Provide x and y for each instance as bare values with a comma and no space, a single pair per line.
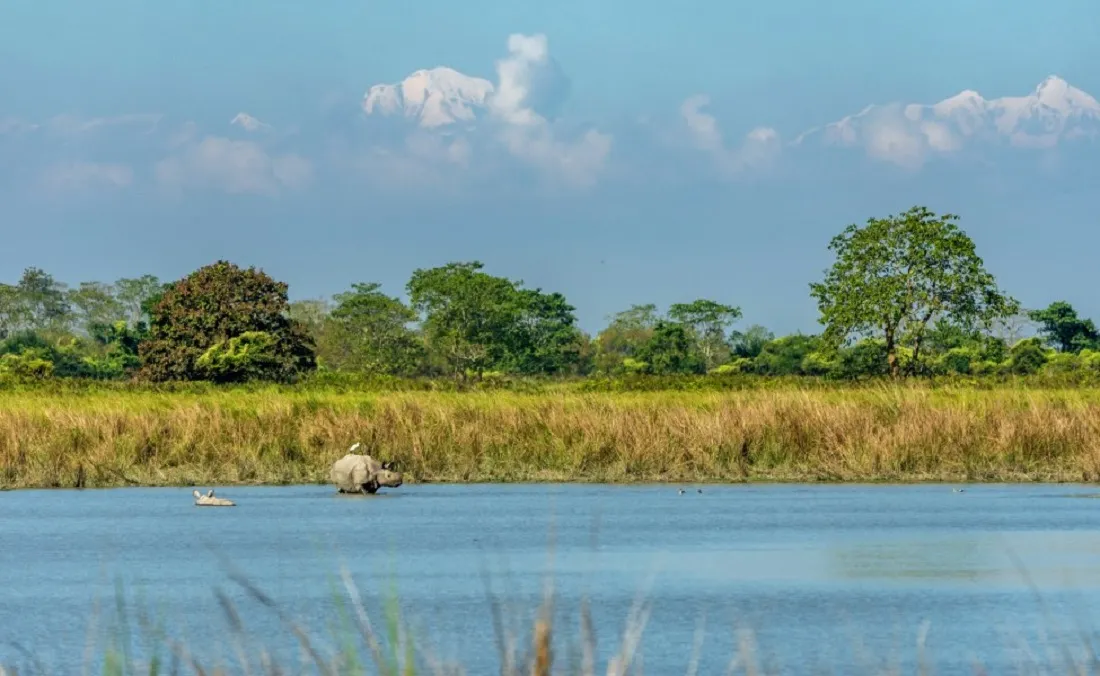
619,152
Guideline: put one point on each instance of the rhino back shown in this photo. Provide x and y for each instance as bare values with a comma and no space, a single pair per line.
352,471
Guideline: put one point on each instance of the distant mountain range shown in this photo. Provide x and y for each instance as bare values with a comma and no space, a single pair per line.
1054,111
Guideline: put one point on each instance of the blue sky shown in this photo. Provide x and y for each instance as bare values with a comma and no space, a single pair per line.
629,152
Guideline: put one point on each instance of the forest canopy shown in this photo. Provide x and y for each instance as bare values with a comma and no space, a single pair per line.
906,296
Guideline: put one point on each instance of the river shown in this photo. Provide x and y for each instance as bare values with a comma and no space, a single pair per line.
835,576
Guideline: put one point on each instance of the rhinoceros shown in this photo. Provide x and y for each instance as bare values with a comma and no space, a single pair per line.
356,473
209,500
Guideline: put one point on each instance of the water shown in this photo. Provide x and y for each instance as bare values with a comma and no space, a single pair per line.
818,572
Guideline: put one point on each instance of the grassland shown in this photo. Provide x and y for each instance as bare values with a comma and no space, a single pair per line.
96,437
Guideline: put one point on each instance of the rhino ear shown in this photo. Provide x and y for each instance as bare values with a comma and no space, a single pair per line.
387,465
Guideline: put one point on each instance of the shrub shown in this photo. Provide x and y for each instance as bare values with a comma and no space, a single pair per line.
30,364
248,356
957,361
1027,357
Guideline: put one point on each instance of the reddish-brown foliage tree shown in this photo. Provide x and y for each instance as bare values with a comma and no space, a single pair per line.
214,304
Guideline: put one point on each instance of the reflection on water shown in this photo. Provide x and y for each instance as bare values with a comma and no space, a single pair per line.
810,568
1013,559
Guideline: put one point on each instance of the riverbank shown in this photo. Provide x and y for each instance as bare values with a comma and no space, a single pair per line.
279,436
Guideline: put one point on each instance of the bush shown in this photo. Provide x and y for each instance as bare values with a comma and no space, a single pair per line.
248,356
1027,357
30,364
737,365
1061,363
818,364
957,361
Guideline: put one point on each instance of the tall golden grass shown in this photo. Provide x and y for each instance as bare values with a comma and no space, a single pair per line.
250,436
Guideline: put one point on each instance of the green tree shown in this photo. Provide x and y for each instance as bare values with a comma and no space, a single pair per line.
1063,329
1027,357
212,305
709,323
138,295
865,359
41,303
11,311
749,343
894,275
624,336
94,303
785,356
467,314
671,349
369,331
544,338
311,313
119,344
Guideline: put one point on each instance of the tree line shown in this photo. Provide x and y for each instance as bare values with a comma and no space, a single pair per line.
907,295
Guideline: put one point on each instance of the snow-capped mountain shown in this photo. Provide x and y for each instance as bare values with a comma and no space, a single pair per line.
249,123
434,97
1052,112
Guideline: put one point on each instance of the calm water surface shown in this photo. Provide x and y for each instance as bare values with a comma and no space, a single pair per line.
824,575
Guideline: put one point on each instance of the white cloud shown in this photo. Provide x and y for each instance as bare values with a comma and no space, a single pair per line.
13,125
81,176
249,123
527,134
69,124
758,150
235,167
424,160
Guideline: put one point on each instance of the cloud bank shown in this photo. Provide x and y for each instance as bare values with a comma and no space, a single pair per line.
448,132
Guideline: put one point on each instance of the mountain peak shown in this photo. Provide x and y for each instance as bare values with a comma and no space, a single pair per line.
249,123
1056,93
435,96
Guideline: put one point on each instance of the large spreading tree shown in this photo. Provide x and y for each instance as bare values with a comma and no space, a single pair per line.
896,275
370,332
474,322
225,323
